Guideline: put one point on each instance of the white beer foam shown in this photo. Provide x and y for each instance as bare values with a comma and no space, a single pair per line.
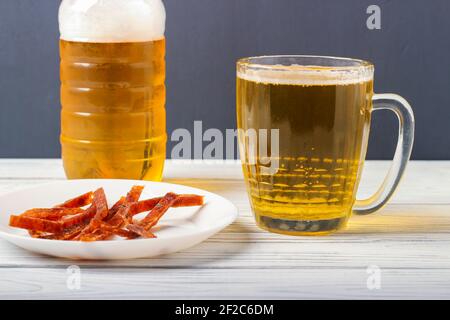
112,20
308,75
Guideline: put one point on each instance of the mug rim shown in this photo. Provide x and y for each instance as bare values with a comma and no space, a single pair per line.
253,62
305,69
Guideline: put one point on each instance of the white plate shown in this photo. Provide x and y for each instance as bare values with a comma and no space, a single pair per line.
179,229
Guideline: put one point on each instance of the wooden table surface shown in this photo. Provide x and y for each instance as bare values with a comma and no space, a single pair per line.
409,241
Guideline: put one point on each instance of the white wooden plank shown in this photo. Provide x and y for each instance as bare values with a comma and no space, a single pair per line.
418,186
31,169
292,283
424,252
53,169
394,239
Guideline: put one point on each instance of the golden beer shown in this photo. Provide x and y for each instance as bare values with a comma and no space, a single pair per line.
323,127
113,120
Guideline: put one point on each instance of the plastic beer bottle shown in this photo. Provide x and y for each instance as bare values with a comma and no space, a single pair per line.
113,119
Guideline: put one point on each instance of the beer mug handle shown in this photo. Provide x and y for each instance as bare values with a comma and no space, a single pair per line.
405,115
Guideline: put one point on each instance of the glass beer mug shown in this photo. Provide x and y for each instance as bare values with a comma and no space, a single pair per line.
304,125
113,119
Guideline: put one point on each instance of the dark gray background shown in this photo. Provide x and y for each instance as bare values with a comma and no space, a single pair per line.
205,37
